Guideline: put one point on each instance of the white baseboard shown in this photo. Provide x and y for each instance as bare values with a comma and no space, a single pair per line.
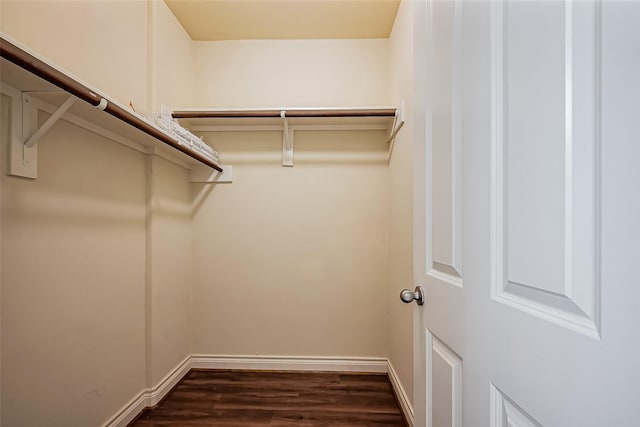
156,394
153,396
401,394
287,363
129,412
150,396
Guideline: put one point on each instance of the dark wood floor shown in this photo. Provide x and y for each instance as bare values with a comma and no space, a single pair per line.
237,399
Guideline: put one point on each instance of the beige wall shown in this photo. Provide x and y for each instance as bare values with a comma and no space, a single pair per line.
401,202
96,260
172,61
169,256
102,42
169,279
4,136
291,73
293,261
73,257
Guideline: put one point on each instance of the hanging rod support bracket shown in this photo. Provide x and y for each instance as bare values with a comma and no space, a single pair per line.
287,141
398,123
33,139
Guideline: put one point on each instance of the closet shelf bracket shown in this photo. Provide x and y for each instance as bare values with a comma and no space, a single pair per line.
398,123
33,139
23,149
205,175
287,141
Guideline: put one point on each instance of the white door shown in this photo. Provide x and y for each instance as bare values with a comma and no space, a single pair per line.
527,213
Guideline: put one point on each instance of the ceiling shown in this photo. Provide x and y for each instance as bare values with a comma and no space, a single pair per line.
285,19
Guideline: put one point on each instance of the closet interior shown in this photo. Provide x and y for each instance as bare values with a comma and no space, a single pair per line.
170,204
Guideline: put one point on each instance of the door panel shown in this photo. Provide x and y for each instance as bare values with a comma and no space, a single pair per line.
446,384
533,113
506,413
443,152
526,179
442,209
546,143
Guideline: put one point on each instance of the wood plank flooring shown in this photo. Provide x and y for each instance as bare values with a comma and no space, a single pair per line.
286,399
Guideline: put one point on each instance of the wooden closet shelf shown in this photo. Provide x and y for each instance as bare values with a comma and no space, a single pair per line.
293,112
23,71
290,120
219,120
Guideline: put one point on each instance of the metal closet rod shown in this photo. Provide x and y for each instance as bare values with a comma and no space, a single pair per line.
238,114
30,63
